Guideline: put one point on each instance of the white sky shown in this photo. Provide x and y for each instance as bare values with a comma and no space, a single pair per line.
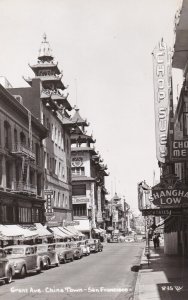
106,46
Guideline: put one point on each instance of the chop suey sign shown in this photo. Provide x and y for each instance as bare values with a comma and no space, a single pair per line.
170,197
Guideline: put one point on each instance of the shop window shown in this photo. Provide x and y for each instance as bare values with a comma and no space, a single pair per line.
80,171
79,210
79,190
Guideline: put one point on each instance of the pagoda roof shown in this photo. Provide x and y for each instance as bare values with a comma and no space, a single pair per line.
83,149
61,100
68,122
82,138
77,130
45,65
116,198
78,119
50,78
45,51
82,178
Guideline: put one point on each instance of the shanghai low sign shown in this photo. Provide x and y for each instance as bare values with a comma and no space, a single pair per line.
170,197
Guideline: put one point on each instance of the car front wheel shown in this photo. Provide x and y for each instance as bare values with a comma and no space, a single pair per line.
23,272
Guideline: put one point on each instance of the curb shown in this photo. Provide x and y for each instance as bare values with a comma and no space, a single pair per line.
136,290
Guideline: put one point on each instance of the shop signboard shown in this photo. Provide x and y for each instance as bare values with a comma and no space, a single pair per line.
71,223
79,200
162,87
161,212
48,196
179,150
171,197
115,216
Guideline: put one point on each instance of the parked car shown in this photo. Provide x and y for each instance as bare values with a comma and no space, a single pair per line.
75,246
85,247
114,238
64,252
99,245
48,254
24,258
92,245
129,239
6,267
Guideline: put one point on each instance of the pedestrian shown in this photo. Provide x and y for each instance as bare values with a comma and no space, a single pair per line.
155,241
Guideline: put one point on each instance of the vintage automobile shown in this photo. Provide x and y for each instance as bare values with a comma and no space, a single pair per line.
85,247
75,246
99,245
92,245
6,268
64,252
48,254
24,258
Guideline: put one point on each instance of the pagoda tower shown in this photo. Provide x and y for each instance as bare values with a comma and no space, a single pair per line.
87,178
53,89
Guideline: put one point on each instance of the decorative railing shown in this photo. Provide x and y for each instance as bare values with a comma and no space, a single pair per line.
23,187
21,149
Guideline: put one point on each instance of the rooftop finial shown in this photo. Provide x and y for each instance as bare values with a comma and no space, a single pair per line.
44,37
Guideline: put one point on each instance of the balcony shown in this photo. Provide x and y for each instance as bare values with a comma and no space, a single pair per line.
24,188
22,150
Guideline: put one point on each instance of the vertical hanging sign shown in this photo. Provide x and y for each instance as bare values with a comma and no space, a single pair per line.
162,88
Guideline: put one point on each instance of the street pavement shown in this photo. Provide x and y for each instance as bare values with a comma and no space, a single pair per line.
110,274
165,278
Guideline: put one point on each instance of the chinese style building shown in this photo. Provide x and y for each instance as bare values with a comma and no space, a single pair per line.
47,100
88,185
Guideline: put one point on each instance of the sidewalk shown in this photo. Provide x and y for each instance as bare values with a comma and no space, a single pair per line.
166,277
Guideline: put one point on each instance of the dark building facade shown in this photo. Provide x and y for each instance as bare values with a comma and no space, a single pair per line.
21,163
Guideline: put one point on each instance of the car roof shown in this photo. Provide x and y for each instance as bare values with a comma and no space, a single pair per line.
20,246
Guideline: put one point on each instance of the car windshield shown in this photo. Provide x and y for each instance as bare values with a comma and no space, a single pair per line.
14,251
60,246
41,248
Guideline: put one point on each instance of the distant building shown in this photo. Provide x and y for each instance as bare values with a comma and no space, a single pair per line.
88,185
47,100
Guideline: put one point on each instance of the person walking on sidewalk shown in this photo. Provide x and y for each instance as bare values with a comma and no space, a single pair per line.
155,241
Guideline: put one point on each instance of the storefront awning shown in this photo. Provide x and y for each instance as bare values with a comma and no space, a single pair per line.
42,231
74,231
8,234
65,231
25,233
58,233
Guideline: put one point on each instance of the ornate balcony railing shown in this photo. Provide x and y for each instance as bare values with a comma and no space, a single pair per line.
22,187
23,150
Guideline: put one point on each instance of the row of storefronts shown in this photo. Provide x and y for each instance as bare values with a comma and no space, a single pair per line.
165,205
